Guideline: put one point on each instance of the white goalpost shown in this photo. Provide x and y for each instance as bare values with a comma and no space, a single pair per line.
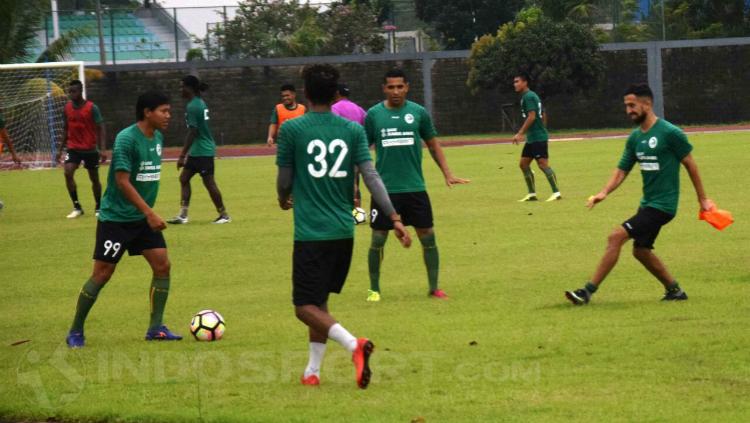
32,98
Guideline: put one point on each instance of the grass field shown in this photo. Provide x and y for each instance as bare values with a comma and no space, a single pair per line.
505,347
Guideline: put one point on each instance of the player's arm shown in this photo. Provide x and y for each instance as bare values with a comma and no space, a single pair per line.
102,141
618,176
692,170
122,179
5,138
192,133
64,140
271,140
380,196
436,151
530,118
284,187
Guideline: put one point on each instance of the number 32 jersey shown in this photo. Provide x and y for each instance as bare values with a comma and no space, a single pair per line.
322,149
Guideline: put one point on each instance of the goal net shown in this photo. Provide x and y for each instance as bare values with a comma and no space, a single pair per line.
32,98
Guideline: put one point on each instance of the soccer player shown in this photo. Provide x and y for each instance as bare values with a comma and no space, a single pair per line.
349,110
127,221
84,138
200,150
287,109
316,157
659,148
536,146
5,140
397,127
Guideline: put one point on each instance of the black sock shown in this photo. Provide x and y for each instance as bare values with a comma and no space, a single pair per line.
74,198
674,287
590,287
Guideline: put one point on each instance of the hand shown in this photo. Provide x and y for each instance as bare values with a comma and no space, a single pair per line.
402,234
155,222
270,141
451,180
102,157
286,204
180,162
707,204
517,138
594,199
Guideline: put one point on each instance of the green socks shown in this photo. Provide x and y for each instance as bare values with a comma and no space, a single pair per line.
674,287
431,259
158,298
374,258
86,300
551,178
528,175
590,287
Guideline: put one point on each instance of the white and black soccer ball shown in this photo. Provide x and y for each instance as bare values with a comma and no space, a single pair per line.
360,215
207,325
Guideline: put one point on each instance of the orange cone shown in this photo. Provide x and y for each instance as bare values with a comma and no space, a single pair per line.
717,218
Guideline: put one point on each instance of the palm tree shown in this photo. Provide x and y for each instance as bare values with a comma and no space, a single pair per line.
22,19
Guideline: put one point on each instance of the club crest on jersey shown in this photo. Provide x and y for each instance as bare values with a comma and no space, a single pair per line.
652,142
409,118
158,149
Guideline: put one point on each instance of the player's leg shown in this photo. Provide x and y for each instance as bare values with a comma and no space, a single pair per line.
380,225
185,192
528,175
317,349
643,251
615,241
158,259
417,212
72,160
543,162
92,166
319,268
213,191
111,242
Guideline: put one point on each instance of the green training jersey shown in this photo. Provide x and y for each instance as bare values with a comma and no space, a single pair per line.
530,102
322,149
398,135
141,157
659,153
196,116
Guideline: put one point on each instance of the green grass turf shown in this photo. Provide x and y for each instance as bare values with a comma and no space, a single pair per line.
505,347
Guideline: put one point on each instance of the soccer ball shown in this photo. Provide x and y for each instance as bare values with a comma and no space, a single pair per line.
207,325
360,215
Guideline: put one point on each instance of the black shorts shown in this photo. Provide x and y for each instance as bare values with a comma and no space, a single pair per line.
202,165
319,268
414,207
536,150
90,159
113,238
645,225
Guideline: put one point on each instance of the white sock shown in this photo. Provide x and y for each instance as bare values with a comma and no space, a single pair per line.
343,337
317,350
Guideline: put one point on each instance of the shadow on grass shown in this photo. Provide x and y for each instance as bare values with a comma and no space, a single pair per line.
604,305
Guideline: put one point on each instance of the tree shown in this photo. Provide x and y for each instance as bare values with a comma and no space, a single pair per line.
458,23
560,57
281,29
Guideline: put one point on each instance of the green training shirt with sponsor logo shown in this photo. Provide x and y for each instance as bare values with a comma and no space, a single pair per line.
659,153
530,102
322,149
196,116
141,157
397,135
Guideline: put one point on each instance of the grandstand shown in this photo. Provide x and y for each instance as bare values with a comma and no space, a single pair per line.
145,35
